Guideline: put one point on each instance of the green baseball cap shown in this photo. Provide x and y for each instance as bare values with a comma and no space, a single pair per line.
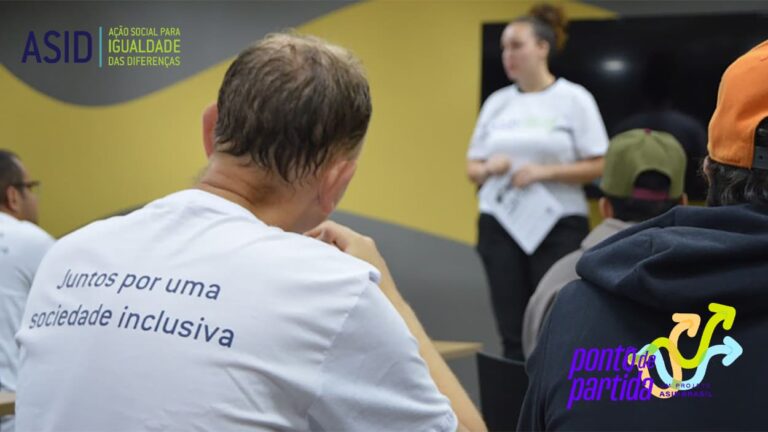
639,150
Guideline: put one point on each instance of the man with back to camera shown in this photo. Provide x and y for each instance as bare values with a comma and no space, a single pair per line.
687,288
208,309
643,177
22,246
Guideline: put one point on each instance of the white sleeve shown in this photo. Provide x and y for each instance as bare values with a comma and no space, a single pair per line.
590,137
373,376
35,247
478,146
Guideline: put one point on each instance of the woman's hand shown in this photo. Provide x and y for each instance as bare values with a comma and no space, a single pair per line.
579,172
531,173
478,171
498,164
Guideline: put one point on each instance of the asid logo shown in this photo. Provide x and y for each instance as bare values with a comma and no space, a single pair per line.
54,46
105,47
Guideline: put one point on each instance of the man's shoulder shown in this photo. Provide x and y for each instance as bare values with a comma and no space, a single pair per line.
94,229
561,272
27,234
312,255
584,314
580,295
560,275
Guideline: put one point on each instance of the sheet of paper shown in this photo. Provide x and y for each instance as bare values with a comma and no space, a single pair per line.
493,188
528,214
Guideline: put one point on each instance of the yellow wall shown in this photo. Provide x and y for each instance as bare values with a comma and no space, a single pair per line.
423,61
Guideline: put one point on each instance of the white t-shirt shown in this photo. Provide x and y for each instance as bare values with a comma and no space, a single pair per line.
558,125
192,314
22,247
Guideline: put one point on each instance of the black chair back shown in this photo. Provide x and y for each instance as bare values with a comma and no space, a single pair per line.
502,388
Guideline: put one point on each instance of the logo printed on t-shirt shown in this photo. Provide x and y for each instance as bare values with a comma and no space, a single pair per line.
132,317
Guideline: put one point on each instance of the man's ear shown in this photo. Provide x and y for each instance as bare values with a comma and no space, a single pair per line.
605,207
334,182
210,116
13,200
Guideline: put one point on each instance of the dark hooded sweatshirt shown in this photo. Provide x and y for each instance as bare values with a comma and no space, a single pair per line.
632,283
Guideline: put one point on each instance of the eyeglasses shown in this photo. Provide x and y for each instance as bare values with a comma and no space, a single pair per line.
31,185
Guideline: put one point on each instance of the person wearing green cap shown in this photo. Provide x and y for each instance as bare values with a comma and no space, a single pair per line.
643,177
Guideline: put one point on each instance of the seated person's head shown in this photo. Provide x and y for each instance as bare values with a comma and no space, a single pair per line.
643,176
730,185
736,167
17,198
288,127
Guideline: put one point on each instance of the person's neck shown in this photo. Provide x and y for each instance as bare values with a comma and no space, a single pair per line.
268,198
7,211
537,82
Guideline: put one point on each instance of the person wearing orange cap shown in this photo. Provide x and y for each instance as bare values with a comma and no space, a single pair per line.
666,327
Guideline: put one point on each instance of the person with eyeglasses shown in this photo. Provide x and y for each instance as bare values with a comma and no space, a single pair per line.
22,246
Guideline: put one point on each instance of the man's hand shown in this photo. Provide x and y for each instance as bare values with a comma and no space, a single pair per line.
350,242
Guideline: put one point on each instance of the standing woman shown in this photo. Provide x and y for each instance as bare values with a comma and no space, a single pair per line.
541,129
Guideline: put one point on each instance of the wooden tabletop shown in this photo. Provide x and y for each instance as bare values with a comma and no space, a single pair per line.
456,349
7,403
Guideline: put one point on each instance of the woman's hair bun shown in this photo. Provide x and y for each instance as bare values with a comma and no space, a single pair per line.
553,16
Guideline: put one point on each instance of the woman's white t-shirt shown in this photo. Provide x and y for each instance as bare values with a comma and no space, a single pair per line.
558,125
